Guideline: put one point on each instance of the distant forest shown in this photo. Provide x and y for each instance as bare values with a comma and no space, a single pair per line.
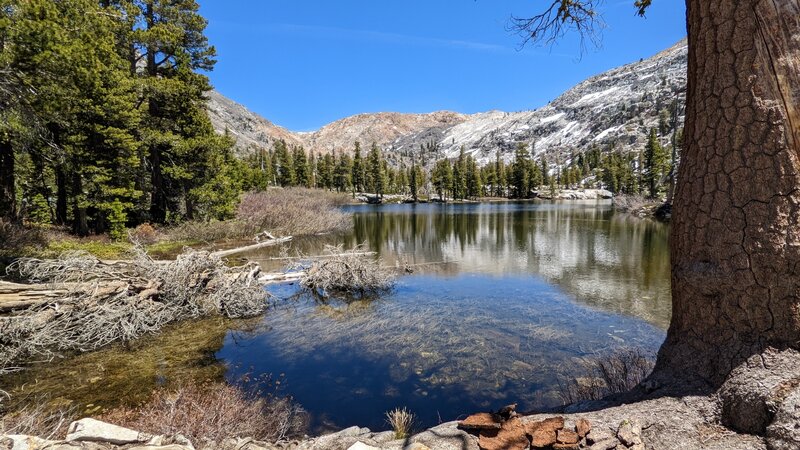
104,126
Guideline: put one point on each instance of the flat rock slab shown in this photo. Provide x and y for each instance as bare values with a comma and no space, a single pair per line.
511,436
480,421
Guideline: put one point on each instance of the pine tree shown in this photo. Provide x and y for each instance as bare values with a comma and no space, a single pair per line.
357,176
342,180
655,164
442,178
520,172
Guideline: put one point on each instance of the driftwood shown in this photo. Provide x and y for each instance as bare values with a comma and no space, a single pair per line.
247,248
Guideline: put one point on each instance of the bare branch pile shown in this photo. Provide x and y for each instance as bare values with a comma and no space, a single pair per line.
101,303
347,273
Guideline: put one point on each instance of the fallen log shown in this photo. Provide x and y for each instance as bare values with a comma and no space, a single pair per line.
247,248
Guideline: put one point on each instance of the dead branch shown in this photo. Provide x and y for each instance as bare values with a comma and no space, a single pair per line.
87,304
247,248
347,274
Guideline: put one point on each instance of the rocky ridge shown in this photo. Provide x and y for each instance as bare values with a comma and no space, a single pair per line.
615,108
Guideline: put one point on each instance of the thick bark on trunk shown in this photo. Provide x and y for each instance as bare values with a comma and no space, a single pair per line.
8,192
735,238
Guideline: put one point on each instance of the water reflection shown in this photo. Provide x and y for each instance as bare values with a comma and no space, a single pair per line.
505,298
611,261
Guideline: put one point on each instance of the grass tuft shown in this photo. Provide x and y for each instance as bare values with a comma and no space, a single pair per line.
402,421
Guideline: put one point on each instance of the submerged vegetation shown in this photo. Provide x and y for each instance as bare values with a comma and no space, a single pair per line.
615,373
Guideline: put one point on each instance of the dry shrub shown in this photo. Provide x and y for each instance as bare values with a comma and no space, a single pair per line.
402,421
14,238
102,303
212,231
349,274
295,211
37,420
630,203
214,412
615,373
145,234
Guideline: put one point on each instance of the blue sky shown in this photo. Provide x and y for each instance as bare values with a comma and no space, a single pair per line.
305,63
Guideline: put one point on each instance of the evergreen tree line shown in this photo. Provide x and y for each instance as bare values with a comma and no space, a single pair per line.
103,120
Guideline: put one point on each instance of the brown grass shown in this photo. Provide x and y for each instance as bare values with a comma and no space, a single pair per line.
615,373
402,422
214,412
631,203
38,420
15,238
295,211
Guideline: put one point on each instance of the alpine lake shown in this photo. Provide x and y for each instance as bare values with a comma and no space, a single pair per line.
504,301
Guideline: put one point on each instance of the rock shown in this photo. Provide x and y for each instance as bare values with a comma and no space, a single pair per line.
566,446
544,433
92,430
565,436
510,436
630,433
417,446
543,438
755,389
446,436
161,447
583,427
784,431
508,411
480,421
606,444
362,446
340,440
599,435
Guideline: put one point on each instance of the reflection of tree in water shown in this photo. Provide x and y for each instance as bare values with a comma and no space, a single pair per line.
615,262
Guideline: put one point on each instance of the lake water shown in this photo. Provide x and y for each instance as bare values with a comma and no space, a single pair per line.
505,300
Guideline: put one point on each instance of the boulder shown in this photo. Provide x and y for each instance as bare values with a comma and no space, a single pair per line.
91,430
784,431
756,388
545,432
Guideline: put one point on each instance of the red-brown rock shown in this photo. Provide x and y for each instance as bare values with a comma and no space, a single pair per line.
480,421
544,433
566,446
583,427
565,436
511,436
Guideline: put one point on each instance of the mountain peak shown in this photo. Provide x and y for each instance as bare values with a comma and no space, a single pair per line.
614,108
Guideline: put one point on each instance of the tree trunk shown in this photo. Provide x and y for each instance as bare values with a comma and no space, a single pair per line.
61,196
80,224
735,238
8,192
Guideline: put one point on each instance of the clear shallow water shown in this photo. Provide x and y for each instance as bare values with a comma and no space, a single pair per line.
505,299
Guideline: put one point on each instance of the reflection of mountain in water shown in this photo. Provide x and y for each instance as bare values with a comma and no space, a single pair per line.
614,262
